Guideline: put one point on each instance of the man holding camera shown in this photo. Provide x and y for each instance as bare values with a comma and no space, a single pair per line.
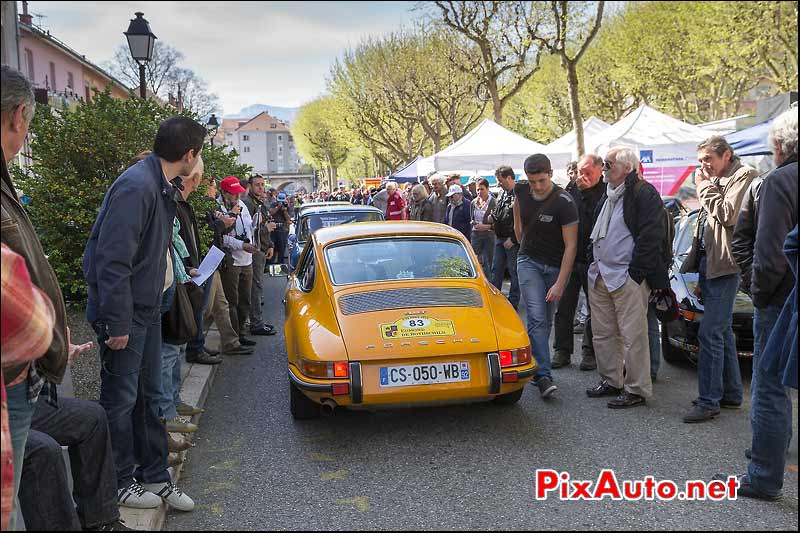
279,210
237,278
261,231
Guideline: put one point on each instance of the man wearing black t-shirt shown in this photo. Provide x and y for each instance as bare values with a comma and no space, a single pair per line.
546,225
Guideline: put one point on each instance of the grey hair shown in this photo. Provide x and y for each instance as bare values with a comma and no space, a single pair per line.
435,179
415,190
717,143
16,91
783,133
627,156
391,184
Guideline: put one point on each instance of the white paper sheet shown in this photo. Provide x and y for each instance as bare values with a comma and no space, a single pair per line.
210,263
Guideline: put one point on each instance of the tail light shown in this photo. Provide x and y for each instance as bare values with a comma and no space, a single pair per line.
324,369
520,356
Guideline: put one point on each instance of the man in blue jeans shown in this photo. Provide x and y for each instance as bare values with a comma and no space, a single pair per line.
127,269
546,225
722,181
506,246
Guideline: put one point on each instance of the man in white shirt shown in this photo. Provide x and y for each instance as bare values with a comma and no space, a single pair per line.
237,278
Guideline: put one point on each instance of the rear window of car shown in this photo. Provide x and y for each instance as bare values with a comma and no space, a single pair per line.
311,223
362,261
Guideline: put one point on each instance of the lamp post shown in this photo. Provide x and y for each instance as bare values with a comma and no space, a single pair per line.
141,41
212,126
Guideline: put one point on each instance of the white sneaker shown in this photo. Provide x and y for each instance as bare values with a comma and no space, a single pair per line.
171,494
137,497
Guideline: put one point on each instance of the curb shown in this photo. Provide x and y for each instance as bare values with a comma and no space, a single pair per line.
194,391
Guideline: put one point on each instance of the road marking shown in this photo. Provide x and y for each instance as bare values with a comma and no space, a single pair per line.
320,457
216,486
230,464
217,509
360,502
336,475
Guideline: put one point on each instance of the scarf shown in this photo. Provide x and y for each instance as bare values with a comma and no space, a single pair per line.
604,219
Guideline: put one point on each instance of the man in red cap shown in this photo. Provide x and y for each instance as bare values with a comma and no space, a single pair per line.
237,279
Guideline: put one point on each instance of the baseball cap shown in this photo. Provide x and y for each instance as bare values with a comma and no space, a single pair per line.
231,185
282,197
472,179
537,163
455,188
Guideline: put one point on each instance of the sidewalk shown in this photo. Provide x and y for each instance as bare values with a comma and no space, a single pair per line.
196,383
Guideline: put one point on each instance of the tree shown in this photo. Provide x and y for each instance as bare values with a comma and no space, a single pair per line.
569,21
76,157
165,77
320,137
505,35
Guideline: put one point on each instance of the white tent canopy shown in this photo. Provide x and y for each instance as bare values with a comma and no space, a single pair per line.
646,127
486,147
569,142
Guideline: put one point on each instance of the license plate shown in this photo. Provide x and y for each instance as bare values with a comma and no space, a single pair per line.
427,374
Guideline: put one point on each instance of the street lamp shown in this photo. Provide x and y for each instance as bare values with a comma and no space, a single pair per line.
141,41
212,126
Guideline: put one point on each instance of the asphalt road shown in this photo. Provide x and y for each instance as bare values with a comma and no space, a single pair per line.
456,467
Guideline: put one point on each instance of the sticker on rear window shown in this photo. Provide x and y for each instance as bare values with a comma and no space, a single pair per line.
409,328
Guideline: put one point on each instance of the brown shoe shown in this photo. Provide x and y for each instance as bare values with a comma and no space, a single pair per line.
588,362
560,359
174,445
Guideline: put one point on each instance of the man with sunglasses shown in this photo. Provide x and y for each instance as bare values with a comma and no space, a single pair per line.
625,264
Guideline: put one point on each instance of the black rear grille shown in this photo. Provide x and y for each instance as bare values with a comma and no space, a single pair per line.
365,302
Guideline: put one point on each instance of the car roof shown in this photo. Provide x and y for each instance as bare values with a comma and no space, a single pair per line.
336,206
318,204
388,228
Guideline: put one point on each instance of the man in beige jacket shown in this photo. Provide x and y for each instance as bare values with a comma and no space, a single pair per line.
722,181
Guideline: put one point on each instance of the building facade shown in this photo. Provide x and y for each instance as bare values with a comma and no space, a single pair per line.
263,142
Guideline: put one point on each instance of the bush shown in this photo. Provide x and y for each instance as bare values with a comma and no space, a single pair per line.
76,157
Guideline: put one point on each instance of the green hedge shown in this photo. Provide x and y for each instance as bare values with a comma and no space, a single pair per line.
76,157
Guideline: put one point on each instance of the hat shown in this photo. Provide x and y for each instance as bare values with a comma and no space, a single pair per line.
282,197
455,188
537,163
472,179
231,185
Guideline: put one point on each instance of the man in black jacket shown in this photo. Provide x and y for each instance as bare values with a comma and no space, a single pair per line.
127,269
625,264
506,246
587,190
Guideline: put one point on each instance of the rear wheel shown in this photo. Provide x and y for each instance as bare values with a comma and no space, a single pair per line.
508,399
300,405
673,355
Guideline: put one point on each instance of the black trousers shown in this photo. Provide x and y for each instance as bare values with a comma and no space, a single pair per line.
565,314
44,496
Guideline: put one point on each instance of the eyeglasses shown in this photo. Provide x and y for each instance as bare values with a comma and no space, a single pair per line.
608,164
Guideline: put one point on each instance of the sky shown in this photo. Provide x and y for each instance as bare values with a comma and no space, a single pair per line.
274,53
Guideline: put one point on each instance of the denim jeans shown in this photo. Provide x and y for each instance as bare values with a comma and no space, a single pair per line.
130,388
654,336
196,344
535,279
506,258
718,365
170,387
45,500
483,244
770,416
20,411
280,239
763,322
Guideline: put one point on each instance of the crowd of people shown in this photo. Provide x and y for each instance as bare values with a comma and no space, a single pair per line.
606,234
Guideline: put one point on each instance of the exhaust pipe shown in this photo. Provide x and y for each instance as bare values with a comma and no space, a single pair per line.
328,407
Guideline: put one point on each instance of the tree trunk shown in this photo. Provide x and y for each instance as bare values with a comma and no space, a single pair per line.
575,105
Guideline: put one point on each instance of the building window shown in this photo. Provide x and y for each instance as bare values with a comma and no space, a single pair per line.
53,76
280,137
29,61
273,126
245,137
88,91
246,148
70,80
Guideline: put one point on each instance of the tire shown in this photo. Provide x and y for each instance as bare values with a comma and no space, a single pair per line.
672,355
300,405
508,399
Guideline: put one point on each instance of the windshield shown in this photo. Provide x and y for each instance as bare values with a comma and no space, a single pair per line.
684,234
397,258
311,223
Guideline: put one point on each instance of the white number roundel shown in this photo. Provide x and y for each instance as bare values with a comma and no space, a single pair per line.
416,323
